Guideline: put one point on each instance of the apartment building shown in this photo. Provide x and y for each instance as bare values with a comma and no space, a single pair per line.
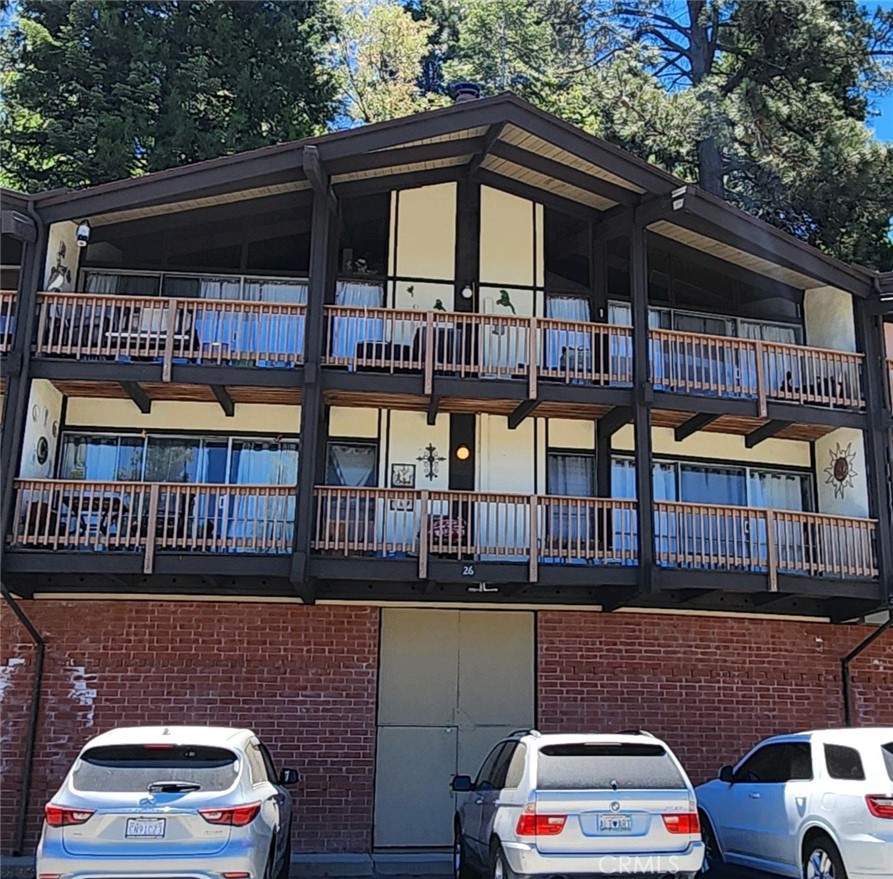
389,441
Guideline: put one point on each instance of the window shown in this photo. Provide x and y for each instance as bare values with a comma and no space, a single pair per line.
487,773
255,764
567,245
100,458
121,284
570,474
351,464
272,774
764,766
515,771
844,763
598,766
796,762
364,235
888,758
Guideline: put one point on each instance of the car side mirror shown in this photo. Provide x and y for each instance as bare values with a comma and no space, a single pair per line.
727,775
289,777
462,784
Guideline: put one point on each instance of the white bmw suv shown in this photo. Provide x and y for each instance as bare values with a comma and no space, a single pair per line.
816,805
177,801
577,805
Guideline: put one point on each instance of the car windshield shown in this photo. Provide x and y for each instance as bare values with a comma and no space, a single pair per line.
888,758
131,768
607,766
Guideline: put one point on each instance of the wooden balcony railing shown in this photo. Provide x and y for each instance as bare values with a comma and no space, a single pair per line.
728,538
7,319
532,349
218,331
890,381
74,515
474,526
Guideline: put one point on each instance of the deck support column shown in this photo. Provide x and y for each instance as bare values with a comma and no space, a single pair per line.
879,479
643,398
321,288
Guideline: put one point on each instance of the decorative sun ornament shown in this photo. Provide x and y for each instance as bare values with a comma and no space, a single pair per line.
840,471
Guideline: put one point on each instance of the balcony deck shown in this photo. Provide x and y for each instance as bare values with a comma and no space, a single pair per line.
381,535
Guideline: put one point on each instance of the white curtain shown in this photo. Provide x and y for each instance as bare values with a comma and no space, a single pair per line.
566,348
267,290
101,284
767,332
350,332
571,475
776,491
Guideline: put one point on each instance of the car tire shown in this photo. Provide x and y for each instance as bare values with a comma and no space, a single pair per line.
285,867
499,866
712,853
461,866
822,860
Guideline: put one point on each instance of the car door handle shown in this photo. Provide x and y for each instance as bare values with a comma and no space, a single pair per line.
755,795
479,801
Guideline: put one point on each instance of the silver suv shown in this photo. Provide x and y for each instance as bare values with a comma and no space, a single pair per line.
202,802
563,806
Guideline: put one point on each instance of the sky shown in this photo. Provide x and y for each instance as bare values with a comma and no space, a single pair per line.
883,124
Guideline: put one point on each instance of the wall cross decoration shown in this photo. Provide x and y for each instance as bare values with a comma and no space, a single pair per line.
431,461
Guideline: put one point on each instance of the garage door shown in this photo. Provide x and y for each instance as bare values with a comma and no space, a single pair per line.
451,683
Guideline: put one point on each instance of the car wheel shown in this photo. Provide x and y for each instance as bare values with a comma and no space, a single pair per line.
822,860
499,868
461,867
712,852
285,868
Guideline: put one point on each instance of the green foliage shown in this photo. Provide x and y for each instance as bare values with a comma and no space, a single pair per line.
98,90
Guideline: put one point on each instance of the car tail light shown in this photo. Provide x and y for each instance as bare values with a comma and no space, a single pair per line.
63,816
880,805
532,824
237,875
683,822
238,816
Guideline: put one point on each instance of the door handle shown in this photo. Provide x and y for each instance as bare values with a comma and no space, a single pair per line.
479,801
755,795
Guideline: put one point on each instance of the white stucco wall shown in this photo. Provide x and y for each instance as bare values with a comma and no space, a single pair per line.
847,500
828,317
42,420
405,438
424,245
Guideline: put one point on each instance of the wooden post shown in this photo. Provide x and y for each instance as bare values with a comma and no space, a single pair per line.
761,379
532,364
429,353
423,536
170,328
149,553
771,551
534,539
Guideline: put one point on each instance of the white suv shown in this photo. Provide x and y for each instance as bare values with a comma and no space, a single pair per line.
817,805
577,805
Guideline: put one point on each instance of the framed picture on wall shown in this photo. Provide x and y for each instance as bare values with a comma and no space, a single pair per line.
402,475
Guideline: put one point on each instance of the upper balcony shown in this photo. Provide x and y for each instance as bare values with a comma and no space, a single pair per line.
7,319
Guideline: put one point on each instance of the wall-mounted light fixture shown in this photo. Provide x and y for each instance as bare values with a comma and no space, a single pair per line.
463,453
83,233
467,292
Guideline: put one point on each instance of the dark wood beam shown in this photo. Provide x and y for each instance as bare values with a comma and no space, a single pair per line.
394,182
18,225
693,425
768,430
613,597
533,193
224,399
318,176
612,421
433,406
764,599
140,398
522,411
490,138
413,155
565,173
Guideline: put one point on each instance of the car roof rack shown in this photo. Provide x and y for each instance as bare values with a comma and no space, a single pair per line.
636,732
524,732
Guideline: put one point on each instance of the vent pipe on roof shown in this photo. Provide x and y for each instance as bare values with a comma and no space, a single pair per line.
462,92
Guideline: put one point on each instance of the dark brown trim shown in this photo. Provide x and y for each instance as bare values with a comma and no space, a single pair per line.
768,430
490,138
400,156
224,399
521,412
139,397
533,193
693,425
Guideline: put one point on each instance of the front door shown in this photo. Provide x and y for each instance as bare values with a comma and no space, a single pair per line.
451,683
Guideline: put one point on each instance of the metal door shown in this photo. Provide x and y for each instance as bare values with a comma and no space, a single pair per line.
451,683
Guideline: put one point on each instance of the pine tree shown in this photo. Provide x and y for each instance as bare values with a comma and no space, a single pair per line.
98,90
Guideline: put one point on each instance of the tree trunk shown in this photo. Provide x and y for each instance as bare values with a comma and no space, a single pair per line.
710,167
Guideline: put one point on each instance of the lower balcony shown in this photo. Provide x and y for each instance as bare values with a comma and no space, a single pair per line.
481,542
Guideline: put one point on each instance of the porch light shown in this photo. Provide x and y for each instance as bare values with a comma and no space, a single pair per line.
83,233
463,453
467,292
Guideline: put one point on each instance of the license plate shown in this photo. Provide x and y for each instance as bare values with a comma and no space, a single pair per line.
615,823
145,828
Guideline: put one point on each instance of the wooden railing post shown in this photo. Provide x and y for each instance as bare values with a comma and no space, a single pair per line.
423,535
534,539
532,358
149,552
771,551
761,379
429,353
170,329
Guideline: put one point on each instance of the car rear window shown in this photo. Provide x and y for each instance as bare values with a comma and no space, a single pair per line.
131,768
843,762
888,758
601,766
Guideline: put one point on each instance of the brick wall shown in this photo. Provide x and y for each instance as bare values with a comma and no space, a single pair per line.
304,678
711,687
